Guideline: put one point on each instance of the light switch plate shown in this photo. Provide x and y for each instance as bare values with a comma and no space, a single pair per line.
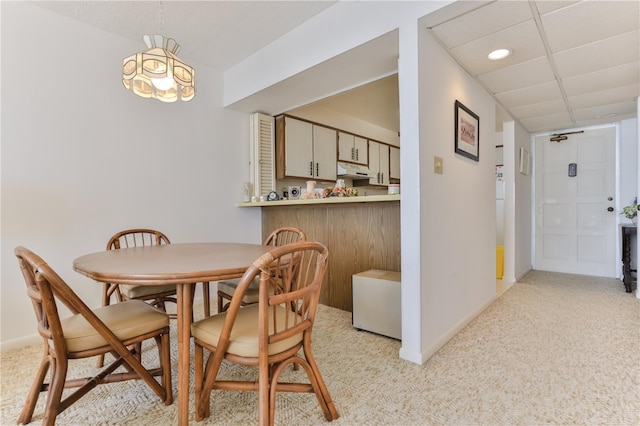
438,165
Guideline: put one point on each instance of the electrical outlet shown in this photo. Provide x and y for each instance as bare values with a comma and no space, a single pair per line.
438,165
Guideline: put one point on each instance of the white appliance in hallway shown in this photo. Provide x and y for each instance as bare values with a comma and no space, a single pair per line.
376,302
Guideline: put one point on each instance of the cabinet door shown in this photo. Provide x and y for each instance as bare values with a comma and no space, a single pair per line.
360,148
346,151
379,163
384,164
394,162
324,153
374,162
299,148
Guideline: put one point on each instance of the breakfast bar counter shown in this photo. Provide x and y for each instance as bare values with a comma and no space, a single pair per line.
328,200
361,233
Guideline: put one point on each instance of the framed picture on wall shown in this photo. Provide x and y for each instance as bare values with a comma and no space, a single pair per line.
467,132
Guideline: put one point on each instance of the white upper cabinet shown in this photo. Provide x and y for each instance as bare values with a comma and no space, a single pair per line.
379,163
305,150
299,148
352,148
324,153
394,162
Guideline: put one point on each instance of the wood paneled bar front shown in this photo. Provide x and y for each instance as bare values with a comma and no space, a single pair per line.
360,235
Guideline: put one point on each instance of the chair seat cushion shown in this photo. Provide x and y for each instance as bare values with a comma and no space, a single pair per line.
126,320
244,335
138,291
252,294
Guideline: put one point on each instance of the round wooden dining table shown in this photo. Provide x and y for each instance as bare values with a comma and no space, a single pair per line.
181,264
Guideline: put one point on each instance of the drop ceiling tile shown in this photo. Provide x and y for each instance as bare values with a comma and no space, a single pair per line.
610,96
558,121
602,111
589,21
611,52
523,39
483,21
518,76
551,107
530,95
546,6
609,78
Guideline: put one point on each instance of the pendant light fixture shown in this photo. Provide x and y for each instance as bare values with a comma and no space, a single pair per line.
158,73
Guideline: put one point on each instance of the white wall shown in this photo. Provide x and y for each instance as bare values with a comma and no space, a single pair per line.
83,158
523,227
628,179
628,162
509,172
457,223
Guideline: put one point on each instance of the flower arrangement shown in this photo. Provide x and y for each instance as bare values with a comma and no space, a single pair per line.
340,192
631,211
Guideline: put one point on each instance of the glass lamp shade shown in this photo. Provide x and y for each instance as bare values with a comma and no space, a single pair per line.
158,73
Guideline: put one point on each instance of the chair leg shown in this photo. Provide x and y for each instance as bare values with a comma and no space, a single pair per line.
107,290
332,414
54,396
36,387
165,363
264,414
203,396
220,302
100,361
205,298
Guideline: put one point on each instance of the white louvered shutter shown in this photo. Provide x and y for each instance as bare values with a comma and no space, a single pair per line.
263,162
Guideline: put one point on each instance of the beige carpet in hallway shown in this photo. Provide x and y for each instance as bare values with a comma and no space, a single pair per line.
554,349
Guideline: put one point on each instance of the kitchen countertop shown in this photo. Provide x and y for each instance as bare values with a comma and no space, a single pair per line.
329,200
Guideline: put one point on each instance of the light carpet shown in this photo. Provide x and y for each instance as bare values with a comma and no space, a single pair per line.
554,349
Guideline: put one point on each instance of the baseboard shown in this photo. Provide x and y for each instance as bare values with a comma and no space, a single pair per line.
439,343
523,274
20,342
415,357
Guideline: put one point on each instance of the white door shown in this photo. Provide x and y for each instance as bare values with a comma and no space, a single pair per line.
575,230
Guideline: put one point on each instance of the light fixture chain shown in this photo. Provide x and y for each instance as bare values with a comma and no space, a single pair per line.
161,18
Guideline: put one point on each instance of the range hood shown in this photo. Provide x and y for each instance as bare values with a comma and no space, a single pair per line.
354,171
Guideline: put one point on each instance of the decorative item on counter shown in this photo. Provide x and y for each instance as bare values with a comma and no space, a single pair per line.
246,191
393,189
294,192
340,183
310,192
631,211
340,192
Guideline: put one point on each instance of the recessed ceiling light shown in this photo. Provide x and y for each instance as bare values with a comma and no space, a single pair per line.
499,54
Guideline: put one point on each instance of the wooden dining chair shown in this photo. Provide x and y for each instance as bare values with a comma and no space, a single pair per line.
227,288
268,334
157,295
118,329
